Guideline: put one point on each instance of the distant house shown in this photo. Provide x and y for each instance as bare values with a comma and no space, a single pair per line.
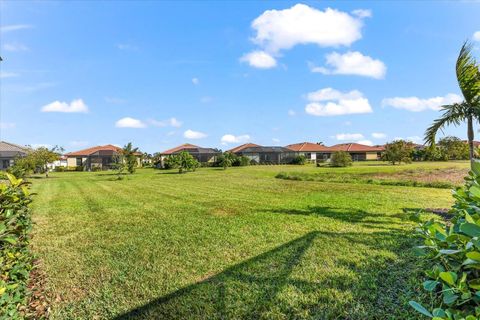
264,154
9,152
101,157
360,152
311,151
202,155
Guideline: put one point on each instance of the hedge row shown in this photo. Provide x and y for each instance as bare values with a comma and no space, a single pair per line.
16,260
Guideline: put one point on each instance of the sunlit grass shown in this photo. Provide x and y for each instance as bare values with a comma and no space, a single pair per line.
228,244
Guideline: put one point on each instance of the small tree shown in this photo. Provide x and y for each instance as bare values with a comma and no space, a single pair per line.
129,157
119,165
41,157
241,161
226,160
185,162
398,151
300,159
453,148
341,159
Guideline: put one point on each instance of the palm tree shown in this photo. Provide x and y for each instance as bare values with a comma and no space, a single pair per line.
129,152
468,77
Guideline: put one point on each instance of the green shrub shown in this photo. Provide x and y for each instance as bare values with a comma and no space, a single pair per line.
453,250
59,169
15,256
241,161
341,159
300,159
74,168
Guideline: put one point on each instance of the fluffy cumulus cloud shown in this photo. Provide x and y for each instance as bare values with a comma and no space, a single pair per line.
277,30
59,106
349,136
190,134
365,142
416,104
195,81
353,63
129,122
172,122
476,36
379,135
331,102
230,138
259,59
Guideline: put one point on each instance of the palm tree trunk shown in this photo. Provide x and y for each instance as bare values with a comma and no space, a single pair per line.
470,137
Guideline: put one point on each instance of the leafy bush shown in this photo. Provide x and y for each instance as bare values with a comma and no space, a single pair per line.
74,168
300,159
59,169
398,151
453,247
15,257
225,160
182,161
341,159
241,161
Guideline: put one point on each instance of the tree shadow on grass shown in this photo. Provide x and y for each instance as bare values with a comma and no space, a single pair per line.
266,286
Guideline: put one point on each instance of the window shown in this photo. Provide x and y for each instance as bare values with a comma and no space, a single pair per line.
5,163
79,162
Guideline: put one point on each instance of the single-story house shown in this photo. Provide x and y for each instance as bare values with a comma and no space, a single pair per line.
202,155
311,151
263,154
101,157
360,152
9,152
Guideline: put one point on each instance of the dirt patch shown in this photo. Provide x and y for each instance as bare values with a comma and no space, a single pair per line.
38,303
454,176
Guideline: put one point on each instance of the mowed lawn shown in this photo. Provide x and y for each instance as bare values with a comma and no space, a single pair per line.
233,244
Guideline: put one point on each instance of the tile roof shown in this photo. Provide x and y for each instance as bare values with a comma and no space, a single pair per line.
89,151
268,149
189,148
12,147
308,147
243,146
356,147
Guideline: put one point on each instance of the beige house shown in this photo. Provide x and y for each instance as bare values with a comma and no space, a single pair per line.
101,157
360,152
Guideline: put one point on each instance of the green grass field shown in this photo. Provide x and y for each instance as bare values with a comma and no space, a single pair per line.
230,244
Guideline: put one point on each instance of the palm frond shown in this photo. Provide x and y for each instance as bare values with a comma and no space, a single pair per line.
452,114
468,76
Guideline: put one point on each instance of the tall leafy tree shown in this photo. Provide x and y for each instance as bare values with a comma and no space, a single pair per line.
130,158
468,77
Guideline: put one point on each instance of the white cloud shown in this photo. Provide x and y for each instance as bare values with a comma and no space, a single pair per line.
7,125
128,122
259,59
14,27
14,47
4,74
172,122
195,81
365,142
476,36
331,102
190,134
76,106
291,113
349,136
283,29
114,100
354,63
362,13
230,138
416,104
379,135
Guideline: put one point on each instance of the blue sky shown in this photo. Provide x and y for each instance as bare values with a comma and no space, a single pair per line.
78,74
